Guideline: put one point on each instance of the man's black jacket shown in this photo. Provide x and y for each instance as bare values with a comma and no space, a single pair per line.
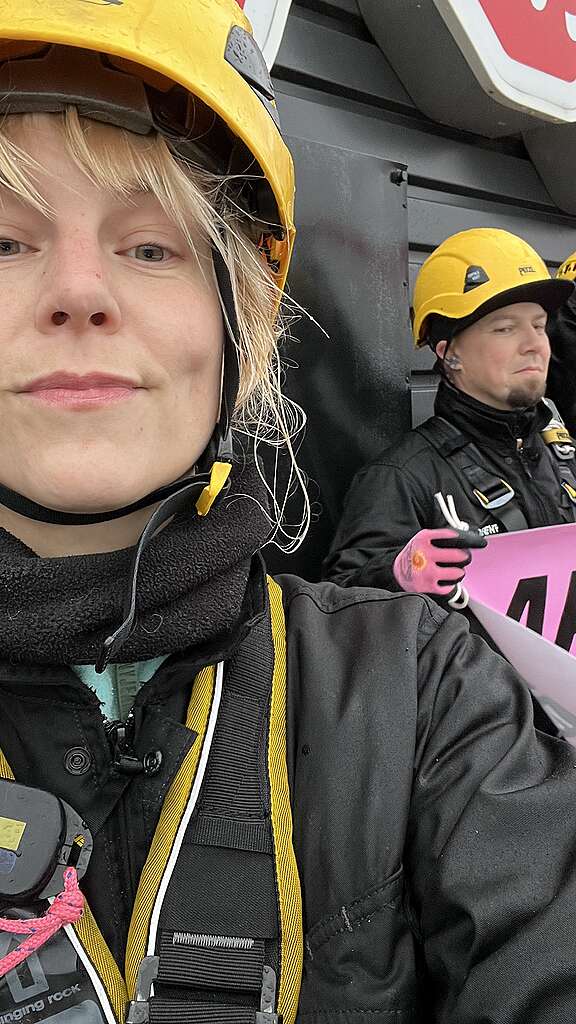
561,329
392,498
434,830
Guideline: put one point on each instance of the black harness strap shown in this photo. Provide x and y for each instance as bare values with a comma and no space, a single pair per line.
493,494
202,961
219,931
234,835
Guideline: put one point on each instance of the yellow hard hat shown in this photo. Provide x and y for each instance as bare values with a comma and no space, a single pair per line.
477,271
568,268
189,69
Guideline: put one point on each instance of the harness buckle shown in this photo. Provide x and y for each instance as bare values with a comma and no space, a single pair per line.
564,451
501,496
139,1008
266,1013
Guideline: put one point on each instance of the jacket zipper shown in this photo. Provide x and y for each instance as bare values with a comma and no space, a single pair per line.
544,516
120,737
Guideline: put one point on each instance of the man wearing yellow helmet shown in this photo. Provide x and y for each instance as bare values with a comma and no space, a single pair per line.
562,334
481,302
217,804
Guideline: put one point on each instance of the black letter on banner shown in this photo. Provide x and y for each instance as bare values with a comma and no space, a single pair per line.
567,626
531,592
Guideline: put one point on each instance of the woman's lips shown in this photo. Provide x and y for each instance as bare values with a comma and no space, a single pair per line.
74,391
81,398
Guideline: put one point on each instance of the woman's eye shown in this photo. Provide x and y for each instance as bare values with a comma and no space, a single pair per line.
9,247
150,253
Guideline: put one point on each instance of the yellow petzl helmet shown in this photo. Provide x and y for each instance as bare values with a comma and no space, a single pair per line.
189,69
568,269
477,271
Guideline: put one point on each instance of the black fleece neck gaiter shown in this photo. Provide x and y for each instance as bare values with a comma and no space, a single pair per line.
192,582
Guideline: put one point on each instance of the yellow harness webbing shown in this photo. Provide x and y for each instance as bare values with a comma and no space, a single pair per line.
170,817
289,894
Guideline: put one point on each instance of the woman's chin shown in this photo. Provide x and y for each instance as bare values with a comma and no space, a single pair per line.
86,499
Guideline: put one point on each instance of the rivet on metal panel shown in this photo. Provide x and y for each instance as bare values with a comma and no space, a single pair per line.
399,176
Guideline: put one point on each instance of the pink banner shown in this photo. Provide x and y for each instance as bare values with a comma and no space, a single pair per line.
530,576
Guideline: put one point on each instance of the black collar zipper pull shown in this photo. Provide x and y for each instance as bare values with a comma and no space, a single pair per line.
120,735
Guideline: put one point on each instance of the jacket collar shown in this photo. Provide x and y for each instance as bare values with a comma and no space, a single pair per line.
489,426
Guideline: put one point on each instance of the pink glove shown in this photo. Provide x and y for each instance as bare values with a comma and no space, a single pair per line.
433,561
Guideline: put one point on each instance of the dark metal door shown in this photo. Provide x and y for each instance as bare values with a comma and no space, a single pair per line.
350,271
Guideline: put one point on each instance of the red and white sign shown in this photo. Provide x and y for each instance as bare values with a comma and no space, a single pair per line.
268,19
523,52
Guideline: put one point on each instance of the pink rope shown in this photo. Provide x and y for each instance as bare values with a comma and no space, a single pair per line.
66,909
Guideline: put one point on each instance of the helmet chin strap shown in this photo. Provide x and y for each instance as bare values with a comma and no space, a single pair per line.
191,492
200,489
40,513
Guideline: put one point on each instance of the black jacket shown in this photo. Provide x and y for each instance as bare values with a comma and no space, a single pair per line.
434,830
392,498
561,330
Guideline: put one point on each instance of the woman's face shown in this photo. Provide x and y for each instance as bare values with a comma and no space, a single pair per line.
110,341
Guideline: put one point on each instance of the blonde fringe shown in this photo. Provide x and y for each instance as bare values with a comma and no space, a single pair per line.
199,204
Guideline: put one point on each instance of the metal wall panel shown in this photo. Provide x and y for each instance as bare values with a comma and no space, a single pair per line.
315,52
434,215
335,89
352,243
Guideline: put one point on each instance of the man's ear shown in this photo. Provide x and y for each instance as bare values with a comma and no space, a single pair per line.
451,358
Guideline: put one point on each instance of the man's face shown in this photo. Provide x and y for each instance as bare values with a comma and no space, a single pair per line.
111,340
503,358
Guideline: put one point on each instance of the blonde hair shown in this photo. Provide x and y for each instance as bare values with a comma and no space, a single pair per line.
197,201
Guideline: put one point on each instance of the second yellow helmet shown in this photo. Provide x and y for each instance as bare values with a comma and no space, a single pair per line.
568,268
478,271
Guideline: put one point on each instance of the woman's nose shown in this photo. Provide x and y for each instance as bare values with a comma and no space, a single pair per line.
77,298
